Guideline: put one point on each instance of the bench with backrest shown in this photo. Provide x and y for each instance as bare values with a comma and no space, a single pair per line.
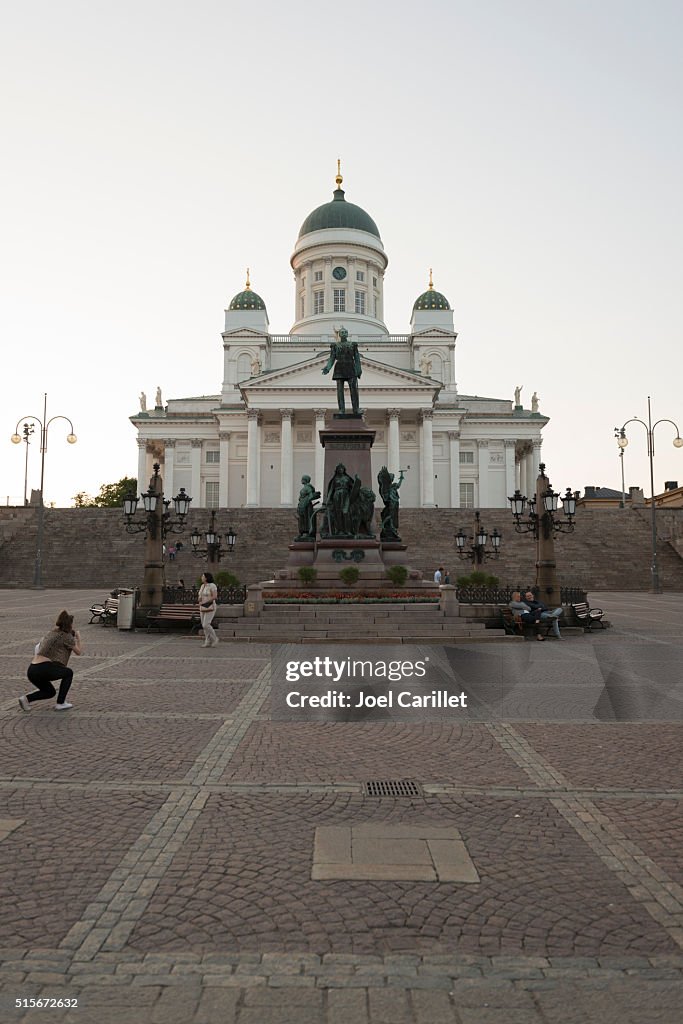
513,625
587,616
172,614
106,612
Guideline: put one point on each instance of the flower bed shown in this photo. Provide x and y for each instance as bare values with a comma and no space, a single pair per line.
345,597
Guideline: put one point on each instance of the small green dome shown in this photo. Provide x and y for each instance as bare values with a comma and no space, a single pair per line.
247,300
339,214
431,299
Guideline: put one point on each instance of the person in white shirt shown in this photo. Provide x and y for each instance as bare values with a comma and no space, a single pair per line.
438,575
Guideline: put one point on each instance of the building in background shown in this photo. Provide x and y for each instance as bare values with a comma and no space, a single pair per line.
250,444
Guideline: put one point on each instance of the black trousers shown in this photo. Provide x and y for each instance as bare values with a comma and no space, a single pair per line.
43,675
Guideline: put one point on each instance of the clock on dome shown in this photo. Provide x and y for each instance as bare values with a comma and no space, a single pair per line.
339,273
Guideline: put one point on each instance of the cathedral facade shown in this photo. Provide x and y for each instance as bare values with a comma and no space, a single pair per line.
250,444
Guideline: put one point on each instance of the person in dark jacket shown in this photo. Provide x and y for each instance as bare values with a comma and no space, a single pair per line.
543,613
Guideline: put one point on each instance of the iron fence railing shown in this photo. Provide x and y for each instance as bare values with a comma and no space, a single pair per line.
190,595
502,595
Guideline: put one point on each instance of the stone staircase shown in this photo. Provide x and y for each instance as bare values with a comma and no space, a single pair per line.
350,624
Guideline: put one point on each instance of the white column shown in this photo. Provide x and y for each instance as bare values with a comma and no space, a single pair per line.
510,485
319,474
196,485
394,443
454,459
286,459
535,461
518,472
327,283
427,459
252,459
143,475
169,461
308,289
483,470
523,476
223,468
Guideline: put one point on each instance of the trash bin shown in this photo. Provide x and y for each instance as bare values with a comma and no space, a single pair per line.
125,618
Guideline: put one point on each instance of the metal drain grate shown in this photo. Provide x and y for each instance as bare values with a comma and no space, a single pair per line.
391,787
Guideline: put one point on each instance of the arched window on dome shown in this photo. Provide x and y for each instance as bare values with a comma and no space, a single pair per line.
243,367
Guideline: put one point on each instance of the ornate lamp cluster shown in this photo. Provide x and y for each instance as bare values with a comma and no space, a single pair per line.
213,552
473,547
150,500
543,520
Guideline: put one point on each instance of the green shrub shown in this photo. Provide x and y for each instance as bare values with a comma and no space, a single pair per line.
307,574
477,579
398,574
350,575
226,579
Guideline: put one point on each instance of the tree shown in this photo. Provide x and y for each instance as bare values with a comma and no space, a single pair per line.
110,496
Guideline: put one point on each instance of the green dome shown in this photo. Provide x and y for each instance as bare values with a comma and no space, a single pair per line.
431,299
247,300
339,214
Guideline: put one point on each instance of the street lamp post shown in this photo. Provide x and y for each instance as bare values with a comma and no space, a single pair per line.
620,434
622,441
476,552
156,524
27,432
213,552
541,522
16,439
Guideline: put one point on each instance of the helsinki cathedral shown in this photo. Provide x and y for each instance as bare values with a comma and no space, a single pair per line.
249,444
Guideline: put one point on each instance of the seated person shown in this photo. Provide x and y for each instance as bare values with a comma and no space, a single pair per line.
541,609
522,612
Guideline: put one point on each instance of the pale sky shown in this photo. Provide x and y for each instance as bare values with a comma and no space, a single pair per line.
529,151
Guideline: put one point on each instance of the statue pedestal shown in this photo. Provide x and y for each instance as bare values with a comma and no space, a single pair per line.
348,441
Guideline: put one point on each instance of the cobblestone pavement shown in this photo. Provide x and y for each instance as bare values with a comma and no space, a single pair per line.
156,845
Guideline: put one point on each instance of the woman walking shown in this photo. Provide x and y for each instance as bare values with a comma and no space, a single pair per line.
208,592
51,663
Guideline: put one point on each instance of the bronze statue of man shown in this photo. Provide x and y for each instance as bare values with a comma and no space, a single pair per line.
345,358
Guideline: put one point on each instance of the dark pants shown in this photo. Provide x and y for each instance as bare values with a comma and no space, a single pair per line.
43,675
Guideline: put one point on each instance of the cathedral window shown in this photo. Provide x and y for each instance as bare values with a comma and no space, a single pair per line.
213,456
212,493
303,308
466,458
466,495
318,275
318,302
360,302
374,282
360,275
339,300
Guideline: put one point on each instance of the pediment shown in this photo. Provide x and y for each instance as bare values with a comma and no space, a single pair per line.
245,334
434,334
307,376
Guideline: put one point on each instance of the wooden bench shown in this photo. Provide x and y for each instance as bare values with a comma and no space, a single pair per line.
587,616
106,612
169,614
513,625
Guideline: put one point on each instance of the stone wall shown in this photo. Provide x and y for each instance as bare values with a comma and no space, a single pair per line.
610,549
